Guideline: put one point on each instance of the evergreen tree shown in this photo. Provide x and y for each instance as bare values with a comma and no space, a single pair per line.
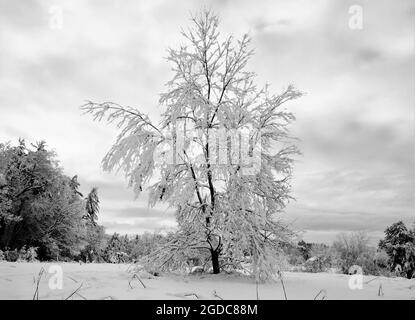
399,244
92,205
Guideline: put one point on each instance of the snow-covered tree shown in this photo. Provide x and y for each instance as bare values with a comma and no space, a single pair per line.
38,205
92,205
227,170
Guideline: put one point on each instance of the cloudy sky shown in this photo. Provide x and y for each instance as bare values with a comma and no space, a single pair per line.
356,122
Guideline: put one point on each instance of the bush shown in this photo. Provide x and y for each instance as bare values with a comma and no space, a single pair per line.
22,254
382,259
29,254
320,263
367,261
353,249
11,255
294,254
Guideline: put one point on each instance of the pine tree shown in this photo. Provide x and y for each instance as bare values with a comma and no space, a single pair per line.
399,244
92,205
222,155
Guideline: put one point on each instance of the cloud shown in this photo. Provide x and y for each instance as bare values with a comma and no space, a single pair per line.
139,226
144,212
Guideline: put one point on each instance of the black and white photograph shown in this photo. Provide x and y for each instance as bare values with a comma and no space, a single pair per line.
207,151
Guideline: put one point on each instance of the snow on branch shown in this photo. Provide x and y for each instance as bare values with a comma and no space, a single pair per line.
135,145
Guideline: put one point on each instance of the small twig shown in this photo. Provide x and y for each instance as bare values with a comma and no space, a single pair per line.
72,279
380,291
216,295
322,291
256,288
191,294
371,280
283,286
76,291
78,294
36,295
138,278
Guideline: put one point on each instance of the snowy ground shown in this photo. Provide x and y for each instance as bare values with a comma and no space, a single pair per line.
111,281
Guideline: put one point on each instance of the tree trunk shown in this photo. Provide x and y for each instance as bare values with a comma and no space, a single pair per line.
215,261
7,234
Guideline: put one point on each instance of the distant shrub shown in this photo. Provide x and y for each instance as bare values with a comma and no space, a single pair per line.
382,259
294,254
298,254
353,249
11,255
23,254
304,249
29,254
295,260
368,263
320,263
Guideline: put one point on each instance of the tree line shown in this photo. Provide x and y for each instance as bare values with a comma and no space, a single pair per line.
44,216
394,255
41,207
